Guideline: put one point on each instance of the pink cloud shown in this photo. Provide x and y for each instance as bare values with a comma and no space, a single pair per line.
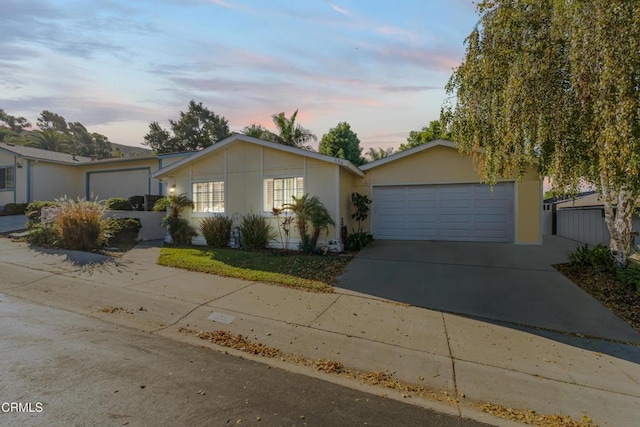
388,30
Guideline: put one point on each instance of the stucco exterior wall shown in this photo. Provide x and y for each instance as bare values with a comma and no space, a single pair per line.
347,186
51,181
445,165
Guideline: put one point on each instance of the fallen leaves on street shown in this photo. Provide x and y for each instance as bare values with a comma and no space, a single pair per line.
533,418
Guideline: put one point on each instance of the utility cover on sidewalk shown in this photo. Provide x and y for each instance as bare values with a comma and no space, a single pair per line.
221,318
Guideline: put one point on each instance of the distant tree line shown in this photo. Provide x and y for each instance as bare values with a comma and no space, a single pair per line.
54,133
199,128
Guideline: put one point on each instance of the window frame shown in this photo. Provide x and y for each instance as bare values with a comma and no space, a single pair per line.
9,176
298,191
211,196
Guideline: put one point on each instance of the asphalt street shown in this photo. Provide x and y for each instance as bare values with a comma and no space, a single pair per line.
63,368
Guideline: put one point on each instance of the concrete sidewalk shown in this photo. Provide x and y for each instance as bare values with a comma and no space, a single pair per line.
474,360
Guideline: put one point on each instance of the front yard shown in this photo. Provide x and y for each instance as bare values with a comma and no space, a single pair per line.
308,272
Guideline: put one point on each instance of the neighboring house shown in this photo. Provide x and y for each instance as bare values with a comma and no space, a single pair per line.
582,219
429,192
28,174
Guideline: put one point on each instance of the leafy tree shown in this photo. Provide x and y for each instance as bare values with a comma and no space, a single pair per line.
342,142
48,139
15,123
424,135
291,133
555,82
195,130
258,131
52,121
378,153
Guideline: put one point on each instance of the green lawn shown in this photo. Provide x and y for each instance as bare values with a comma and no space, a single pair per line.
310,272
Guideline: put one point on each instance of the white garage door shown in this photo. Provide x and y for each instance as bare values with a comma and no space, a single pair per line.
122,183
468,212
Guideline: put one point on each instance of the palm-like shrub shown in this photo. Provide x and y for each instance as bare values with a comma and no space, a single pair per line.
256,232
309,210
180,230
216,230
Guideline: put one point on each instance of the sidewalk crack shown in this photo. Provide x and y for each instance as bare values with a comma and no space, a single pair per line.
324,311
453,366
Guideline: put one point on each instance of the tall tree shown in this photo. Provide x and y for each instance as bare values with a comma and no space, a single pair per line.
378,153
291,133
424,135
342,142
195,130
16,123
258,131
52,121
555,82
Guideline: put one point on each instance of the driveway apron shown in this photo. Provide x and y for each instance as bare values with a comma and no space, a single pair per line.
492,281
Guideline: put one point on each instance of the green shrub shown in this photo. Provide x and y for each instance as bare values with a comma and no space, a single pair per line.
216,230
34,211
122,229
119,204
181,231
598,257
14,208
358,240
137,202
256,232
630,276
80,224
45,236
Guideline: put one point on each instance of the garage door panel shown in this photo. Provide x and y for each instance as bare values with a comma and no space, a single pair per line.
468,212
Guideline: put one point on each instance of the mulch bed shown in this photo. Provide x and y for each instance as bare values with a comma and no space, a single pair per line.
604,286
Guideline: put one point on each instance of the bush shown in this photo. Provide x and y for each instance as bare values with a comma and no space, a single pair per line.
256,232
80,224
14,208
598,257
630,277
119,204
216,230
358,240
181,231
34,211
122,229
45,236
137,202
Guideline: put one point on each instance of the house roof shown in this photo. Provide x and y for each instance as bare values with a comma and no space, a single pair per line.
240,137
409,152
589,200
39,154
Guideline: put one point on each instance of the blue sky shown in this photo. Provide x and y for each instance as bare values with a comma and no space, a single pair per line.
116,65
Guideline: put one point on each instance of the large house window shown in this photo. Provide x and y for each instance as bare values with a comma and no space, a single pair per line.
7,178
208,196
278,191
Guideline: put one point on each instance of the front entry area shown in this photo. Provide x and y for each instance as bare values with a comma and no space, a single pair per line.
454,212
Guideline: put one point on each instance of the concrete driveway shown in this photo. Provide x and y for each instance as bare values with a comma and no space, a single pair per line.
493,281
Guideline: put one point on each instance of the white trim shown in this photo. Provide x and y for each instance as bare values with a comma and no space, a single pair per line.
336,208
224,173
239,137
262,200
409,184
304,186
409,152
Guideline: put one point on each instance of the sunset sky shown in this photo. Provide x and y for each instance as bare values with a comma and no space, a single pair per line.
116,65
